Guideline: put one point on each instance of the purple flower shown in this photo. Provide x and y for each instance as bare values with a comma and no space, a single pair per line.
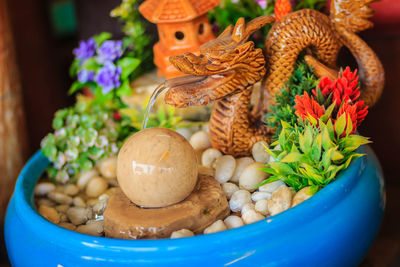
85,50
85,75
108,77
109,51
262,3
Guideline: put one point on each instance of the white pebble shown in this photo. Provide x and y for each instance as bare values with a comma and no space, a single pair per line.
63,217
71,189
238,199
224,168
113,182
108,167
182,233
209,156
252,176
84,178
233,221
91,228
185,132
301,196
46,202
262,206
99,207
246,207
42,189
281,200
59,197
229,189
256,196
78,215
251,216
241,163
200,140
206,127
271,187
68,226
79,202
49,213
62,208
259,153
96,186
217,226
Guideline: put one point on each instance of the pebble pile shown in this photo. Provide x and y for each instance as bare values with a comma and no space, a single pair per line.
80,206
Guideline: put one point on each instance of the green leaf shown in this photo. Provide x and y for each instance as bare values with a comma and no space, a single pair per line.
100,38
316,149
331,130
76,86
292,157
326,140
91,64
312,190
352,157
124,89
311,119
336,155
328,113
281,168
340,124
128,65
349,127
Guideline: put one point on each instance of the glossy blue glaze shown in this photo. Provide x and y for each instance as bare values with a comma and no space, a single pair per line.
334,228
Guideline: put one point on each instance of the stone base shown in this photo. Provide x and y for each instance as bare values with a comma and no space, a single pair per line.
206,204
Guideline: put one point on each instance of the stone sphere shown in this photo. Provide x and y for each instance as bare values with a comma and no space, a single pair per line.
157,167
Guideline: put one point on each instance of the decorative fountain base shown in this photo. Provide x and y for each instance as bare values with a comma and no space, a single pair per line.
206,204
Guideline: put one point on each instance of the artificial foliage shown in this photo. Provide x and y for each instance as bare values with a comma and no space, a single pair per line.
312,155
83,135
312,149
302,80
333,98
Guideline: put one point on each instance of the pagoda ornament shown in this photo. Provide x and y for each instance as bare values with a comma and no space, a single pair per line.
182,25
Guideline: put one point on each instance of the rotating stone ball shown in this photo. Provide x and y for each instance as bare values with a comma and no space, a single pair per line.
157,167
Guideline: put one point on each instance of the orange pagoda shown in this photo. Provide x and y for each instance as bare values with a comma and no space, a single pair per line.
182,27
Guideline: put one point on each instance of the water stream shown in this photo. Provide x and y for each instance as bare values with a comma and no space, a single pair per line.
151,102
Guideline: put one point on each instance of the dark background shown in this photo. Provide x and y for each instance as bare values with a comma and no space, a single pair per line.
44,53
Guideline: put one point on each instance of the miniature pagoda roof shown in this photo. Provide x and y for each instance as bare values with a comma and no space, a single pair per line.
164,11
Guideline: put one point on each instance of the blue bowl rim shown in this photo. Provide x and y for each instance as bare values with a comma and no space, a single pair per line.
322,201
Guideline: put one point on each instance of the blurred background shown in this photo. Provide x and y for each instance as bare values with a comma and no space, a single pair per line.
44,32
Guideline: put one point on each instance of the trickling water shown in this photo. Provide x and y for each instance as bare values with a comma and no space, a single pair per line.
151,102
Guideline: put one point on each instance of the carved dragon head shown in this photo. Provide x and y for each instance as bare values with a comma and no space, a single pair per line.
226,65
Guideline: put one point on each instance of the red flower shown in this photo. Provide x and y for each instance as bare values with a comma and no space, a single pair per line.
345,93
308,106
344,88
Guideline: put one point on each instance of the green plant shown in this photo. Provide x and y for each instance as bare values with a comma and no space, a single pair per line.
313,155
104,67
302,80
135,30
319,140
83,134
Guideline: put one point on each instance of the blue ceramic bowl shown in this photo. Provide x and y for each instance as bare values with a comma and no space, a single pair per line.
334,228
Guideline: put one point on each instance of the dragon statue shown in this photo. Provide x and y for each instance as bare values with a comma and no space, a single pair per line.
229,66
